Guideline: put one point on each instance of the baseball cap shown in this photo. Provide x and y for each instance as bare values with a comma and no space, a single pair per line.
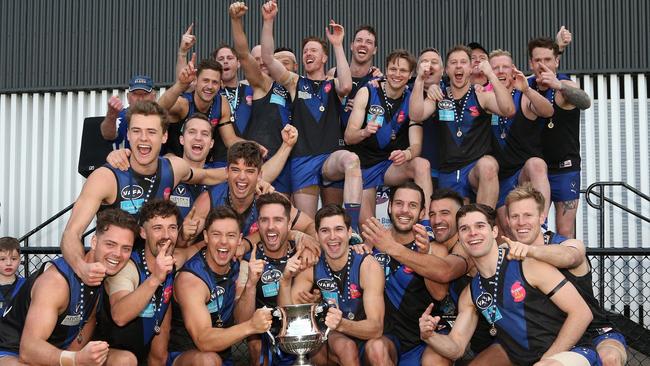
141,82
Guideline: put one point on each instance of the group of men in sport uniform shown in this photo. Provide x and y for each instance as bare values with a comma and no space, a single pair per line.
208,218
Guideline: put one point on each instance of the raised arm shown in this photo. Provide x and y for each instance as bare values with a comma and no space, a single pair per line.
570,254
421,108
108,127
533,104
569,94
354,134
500,102
277,71
372,283
273,167
453,345
187,42
254,75
170,100
101,187
343,81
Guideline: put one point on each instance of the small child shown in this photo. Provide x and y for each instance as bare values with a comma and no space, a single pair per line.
10,282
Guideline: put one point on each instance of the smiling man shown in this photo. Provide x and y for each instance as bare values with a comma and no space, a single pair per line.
351,283
381,134
207,309
51,320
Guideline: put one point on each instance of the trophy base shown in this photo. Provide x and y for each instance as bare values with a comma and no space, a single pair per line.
300,346
302,361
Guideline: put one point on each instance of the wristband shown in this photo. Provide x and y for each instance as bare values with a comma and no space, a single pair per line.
191,175
67,358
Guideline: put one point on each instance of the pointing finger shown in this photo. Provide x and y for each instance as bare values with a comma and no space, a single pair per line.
428,309
254,253
189,29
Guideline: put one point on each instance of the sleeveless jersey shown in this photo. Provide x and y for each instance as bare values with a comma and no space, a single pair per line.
515,139
357,83
344,291
8,292
240,100
220,305
392,133
133,189
268,116
185,194
561,142
585,287
475,139
406,297
136,336
268,286
68,324
320,131
219,196
527,321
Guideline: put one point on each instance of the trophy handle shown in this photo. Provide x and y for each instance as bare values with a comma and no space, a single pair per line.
327,333
276,313
321,309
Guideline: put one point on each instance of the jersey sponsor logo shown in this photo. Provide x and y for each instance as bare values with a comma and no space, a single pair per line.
326,284
131,192
473,111
271,276
219,291
280,91
518,292
376,109
167,294
354,291
446,104
180,201
382,258
484,300
148,312
566,164
401,117
304,95
71,320
382,195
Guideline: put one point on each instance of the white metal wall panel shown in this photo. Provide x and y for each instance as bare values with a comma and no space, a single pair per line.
40,136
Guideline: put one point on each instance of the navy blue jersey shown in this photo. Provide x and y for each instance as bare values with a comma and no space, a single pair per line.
357,83
221,303
8,292
268,116
133,189
515,140
393,118
527,321
466,140
560,134
268,286
240,100
342,288
136,336
68,324
600,324
316,111
122,126
406,297
219,196
184,195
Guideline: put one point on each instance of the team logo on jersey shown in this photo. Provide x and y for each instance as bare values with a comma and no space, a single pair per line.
166,193
271,276
328,87
131,192
326,284
354,291
446,104
167,294
518,292
407,269
249,99
484,300
382,195
214,122
473,111
180,190
254,228
376,109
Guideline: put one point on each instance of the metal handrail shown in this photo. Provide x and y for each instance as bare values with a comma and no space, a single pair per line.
25,237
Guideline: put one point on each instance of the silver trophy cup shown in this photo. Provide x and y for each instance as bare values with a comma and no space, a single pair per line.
299,333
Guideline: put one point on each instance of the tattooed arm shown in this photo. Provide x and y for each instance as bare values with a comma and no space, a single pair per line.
575,96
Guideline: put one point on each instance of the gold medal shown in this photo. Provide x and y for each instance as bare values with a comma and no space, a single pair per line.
550,123
321,108
493,331
459,133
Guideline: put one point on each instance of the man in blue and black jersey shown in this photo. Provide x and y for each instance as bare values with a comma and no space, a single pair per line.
382,135
115,124
535,314
516,141
134,315
464,129
149,176
205,99
210,308
525,213
317,157
351,283
407,290
51,319
560,133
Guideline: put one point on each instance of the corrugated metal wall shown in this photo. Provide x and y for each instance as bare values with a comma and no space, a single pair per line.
74,44
40,146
